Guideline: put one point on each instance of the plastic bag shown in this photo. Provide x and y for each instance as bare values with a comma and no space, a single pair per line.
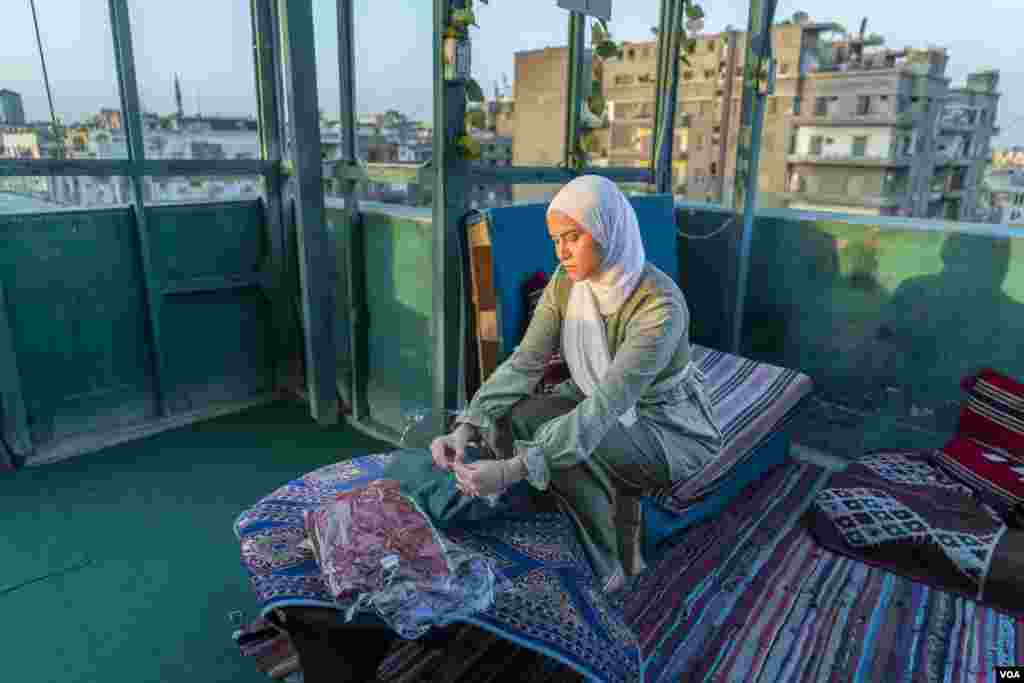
377,550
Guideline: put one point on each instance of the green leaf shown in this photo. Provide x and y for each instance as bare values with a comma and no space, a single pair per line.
474,93
463,17
608,49
604,25
694,11
685,60
597,34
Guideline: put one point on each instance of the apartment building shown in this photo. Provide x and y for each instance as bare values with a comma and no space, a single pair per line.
851,126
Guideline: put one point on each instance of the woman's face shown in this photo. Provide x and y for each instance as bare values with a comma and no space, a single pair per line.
576,249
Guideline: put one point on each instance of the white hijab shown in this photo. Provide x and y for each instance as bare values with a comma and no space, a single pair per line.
599,206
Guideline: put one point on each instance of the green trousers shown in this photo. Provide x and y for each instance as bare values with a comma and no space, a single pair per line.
601,494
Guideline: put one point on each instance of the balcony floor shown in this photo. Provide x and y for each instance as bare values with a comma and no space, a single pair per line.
153,518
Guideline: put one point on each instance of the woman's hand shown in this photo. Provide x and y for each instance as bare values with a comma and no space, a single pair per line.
451,448
488,477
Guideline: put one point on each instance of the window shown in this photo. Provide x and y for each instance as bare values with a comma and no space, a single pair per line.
796,106
773,106
860,145
816,145
687,75
709,73
821,106
714,169
784,68
863,105
624,79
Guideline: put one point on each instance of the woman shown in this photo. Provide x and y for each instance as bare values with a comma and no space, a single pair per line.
634,416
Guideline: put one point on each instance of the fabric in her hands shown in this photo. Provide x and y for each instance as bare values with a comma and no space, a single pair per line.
436,491
490,477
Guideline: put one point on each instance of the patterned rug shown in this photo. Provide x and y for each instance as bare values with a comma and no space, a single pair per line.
553,608
747,596
772,605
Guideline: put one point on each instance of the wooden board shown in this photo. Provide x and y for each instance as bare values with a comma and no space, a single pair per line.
485,308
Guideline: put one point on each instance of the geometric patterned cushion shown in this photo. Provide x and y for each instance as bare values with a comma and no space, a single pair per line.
870,516
996,479
898,509
994,412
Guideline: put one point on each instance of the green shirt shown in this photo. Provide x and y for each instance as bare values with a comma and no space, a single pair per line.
649,344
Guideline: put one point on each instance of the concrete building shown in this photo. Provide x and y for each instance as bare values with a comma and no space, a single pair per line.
1006,196
18,142
851,127
12,110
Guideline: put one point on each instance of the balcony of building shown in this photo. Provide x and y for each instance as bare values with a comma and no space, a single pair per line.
851,159
164,365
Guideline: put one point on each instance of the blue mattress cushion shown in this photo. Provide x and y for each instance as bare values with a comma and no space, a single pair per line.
660,524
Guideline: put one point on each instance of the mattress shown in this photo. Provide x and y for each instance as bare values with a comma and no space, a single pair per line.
751,402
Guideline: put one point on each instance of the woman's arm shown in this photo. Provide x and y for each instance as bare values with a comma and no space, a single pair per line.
652,337
517,377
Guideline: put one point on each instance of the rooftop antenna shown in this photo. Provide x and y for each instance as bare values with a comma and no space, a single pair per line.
46,79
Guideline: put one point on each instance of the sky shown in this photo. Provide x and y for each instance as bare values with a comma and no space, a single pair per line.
208,42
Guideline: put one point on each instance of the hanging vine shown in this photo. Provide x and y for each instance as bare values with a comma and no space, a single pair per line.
593,108
456,37
593,112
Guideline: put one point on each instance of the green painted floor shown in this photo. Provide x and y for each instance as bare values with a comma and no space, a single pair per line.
154,520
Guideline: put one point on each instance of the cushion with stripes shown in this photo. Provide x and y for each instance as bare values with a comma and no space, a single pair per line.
994,412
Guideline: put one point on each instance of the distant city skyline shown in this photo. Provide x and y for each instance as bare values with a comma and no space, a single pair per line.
393,50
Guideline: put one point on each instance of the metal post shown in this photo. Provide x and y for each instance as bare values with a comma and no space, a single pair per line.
577,24
316,262
759,45
355,257
132,120
450,175
665,126
265,58
57,131
660,79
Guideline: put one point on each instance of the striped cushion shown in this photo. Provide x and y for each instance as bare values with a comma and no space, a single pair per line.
994,412
751,401
996,479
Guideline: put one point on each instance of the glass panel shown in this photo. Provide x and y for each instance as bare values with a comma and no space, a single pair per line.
76,43
886,319
176,189
394,135
626,84
44,193
195,108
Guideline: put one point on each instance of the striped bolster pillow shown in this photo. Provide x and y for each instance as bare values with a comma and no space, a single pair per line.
996,479
994,412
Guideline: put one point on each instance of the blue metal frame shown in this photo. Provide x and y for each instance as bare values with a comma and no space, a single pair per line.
759,50
315,255
125,61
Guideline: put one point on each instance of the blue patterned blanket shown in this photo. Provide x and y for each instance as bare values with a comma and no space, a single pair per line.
554,606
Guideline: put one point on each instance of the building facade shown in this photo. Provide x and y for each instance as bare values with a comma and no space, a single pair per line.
851,126
12,110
